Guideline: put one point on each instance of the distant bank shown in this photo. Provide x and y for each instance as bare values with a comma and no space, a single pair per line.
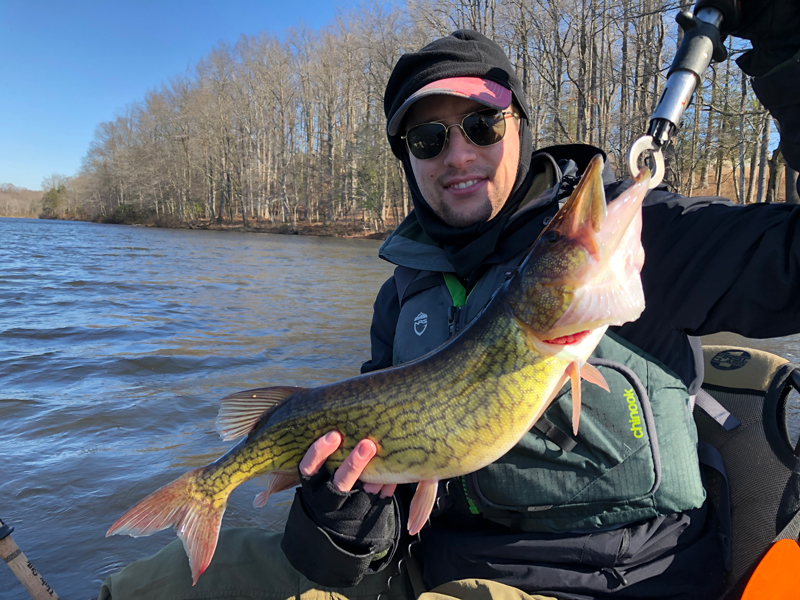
342,229
336,229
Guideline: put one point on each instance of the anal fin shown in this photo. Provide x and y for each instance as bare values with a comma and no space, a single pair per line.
577,371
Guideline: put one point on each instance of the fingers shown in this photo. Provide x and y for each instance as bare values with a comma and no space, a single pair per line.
319,452
373,488
346,476
378,488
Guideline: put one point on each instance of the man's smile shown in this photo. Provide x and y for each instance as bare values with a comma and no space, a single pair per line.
465,184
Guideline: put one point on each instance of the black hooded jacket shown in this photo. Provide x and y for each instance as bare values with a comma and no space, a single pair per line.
711,265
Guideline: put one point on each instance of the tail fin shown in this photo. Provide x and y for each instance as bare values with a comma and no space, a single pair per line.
195,515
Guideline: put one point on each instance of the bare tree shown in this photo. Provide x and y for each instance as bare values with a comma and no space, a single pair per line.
291,129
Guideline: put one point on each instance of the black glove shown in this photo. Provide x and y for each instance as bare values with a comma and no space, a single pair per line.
357,521
773,27
334,538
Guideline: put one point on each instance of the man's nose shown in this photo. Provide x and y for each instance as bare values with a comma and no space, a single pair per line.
459,150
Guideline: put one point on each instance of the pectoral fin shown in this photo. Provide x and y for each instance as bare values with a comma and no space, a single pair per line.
422,505
577,372
575,378
592,375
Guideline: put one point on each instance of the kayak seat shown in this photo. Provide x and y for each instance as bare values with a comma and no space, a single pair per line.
749,453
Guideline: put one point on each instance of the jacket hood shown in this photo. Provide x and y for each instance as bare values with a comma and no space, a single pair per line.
554,172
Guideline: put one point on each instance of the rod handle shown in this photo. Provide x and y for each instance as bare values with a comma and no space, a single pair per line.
34,583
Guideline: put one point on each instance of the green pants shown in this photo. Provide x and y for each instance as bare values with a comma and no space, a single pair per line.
250,565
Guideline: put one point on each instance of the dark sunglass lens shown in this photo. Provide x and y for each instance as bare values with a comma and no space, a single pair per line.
485,128
427,140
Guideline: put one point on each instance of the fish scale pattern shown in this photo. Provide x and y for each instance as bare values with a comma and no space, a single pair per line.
425,426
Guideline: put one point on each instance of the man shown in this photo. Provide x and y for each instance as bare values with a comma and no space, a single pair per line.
457,119
710,266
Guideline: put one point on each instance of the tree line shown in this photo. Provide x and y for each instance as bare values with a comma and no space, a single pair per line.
19,202
290,129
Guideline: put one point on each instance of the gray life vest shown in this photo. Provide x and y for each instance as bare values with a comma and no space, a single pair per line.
633,458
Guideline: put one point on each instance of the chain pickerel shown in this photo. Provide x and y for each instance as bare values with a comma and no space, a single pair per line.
450,412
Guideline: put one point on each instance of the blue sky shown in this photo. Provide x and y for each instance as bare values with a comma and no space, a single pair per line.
66,66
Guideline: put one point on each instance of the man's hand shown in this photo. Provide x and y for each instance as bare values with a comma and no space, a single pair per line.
773,27
352,527
346,475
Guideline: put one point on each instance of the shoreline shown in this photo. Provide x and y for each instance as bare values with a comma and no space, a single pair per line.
338,229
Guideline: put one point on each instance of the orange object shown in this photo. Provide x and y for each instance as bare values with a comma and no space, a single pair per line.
777,576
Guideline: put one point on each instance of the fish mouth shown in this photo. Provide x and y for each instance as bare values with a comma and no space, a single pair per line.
567,340
607,288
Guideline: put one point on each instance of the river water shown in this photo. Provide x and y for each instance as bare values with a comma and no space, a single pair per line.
116,344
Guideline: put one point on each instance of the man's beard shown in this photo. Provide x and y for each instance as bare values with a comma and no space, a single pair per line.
453,215
454,218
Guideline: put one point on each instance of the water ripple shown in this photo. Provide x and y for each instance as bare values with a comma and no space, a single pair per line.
116,344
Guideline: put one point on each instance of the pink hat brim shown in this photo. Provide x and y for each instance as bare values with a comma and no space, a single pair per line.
481,90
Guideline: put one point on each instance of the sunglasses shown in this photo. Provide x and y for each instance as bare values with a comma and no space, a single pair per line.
482,128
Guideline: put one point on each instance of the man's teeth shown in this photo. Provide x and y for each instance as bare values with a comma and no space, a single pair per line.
464,184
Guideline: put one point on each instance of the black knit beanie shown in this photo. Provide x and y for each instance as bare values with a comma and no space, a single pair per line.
464,53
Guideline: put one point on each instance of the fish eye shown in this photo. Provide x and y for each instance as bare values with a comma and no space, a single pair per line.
552,236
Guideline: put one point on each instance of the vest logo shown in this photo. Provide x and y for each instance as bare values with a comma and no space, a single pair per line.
420,323
730,360
635,420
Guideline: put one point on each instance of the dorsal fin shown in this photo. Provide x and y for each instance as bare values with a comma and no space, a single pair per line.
239,412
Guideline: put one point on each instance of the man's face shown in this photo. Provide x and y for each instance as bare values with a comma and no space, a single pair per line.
465,184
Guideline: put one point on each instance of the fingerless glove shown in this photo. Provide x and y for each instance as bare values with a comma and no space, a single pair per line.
335,538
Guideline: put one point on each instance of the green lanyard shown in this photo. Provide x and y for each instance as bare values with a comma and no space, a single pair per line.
457,290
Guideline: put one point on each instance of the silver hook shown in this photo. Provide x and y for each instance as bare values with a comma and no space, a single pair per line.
646,143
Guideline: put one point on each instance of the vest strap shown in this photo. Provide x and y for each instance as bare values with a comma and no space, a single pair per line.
715,410
711,457
411,281
402,277
555,434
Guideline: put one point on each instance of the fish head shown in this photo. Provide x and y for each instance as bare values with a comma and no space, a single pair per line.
583,272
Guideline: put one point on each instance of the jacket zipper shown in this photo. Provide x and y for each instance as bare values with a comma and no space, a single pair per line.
453,320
